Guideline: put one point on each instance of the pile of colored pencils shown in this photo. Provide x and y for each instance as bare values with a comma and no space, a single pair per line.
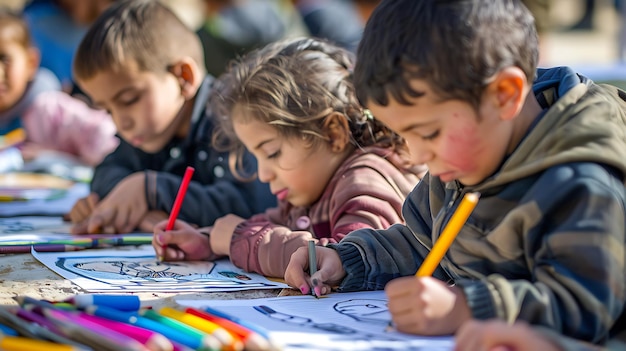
118,322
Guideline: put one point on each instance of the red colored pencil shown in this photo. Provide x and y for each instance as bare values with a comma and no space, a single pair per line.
178,203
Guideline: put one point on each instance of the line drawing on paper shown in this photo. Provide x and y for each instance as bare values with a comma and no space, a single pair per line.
138,271
361,310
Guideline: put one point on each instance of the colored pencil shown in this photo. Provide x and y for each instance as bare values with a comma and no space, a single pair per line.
178,203
448,235
312,263
20,343
70,325
8,331
246,324
54,333
98,240
137,320
120,302
206,341
90,333
152,340
227,339
27,328
14,249
251,339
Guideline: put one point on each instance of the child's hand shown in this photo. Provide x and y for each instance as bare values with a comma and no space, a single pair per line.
30,150
426,306
123,208
184,242
81,211
222,233
496,335
150,220
329,273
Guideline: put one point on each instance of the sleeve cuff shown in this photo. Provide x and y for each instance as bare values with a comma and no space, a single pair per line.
353,265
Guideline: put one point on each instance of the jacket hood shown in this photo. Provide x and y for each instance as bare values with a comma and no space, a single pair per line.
584,122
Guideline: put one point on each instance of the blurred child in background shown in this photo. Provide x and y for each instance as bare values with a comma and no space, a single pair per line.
143,65
52,122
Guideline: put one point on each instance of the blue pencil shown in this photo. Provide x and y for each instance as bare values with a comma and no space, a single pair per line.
6,330
120,302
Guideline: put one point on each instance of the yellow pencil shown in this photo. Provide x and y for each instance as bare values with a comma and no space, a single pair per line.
15,136
230,342
19,343
448,235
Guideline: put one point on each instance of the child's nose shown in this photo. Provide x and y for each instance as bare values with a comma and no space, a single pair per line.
265,174
124,123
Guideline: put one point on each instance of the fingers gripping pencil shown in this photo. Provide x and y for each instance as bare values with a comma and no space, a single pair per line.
177,204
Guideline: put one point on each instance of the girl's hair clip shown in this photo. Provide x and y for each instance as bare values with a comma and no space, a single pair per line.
368,114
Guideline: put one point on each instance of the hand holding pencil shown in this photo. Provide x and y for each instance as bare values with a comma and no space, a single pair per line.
178,202
183,242
317,282
426,305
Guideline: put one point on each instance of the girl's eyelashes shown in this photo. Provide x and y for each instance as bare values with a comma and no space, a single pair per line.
431,136
274,154
130,101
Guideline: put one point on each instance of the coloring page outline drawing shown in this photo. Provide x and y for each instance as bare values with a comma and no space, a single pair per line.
139,270
338,321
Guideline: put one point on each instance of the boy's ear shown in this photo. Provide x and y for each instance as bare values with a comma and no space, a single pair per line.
337,130
509,89
34,58
188,75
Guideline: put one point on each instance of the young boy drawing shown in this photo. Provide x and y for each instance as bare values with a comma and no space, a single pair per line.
332,167
545,243
144,66
31,100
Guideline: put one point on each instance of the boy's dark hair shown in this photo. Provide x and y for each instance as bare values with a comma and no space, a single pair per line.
456,46
144,31
14,28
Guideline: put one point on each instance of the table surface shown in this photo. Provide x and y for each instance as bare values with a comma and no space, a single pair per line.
22,274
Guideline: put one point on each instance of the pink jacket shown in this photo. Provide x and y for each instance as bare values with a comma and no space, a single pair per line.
57,121
367,191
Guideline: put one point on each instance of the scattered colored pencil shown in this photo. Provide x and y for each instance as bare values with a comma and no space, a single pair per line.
251,339
178,202
448,235
13,249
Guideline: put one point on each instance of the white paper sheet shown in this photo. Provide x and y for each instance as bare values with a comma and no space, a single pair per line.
138,270
339,321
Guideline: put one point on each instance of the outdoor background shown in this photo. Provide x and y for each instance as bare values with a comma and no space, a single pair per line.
594,52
